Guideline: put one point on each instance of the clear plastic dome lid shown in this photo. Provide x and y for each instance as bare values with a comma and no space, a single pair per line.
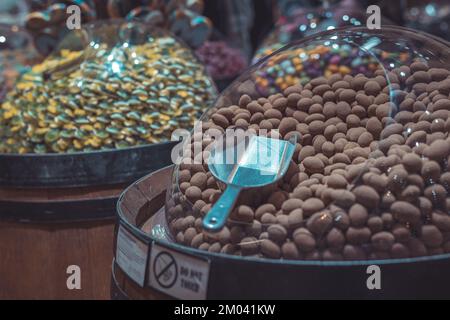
109,85
369,177
17,55
301,22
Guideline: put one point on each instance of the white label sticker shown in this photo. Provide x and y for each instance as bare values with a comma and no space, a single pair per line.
178,275
131,255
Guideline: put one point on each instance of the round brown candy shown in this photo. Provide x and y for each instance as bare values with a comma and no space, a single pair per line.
289,251
189,235
412,162
347,95
358,215
295,219
417,248
193,193
405,212
313,165
244,213
268,218
375,224
304,240
335,238
291,204
441,220
431,236
220,120
270,249
199,179
352,252
358,236
431,171
376,181
372,88
436,193
367,196
249,246
382,241
277,233
438,150
319,223
336,181
365,139
265,208
312,205
343,198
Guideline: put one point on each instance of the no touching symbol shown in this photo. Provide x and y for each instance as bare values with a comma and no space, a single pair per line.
165,270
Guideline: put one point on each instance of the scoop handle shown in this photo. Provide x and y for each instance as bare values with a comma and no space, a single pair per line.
217,216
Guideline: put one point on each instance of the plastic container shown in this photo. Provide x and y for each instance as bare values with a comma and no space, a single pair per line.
222,276
17,55
97,113
123,75
367,192
369,179
301,22
57,195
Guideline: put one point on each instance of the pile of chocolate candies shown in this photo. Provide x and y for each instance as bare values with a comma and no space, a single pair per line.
370,178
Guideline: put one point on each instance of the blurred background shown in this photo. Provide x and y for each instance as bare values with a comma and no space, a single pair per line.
227,35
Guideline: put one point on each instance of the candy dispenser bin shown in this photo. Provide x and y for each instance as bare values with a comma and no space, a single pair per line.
75,130
368,183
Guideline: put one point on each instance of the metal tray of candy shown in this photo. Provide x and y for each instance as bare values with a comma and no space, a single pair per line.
71,140
233,277
83,168
77,186
63,126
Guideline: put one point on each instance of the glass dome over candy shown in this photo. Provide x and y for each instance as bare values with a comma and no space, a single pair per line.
17,54
299,22
112,84
369,178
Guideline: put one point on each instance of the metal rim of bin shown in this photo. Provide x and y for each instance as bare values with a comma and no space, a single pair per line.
240,265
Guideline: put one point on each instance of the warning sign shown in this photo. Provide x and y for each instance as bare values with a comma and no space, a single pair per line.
178,275
166,269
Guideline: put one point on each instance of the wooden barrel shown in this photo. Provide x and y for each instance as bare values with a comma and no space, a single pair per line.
59,210
231,277
154,186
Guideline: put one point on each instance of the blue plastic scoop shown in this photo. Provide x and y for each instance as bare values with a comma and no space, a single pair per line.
253,162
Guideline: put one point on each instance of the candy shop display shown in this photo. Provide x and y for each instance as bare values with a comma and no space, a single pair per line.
109,85
370,175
